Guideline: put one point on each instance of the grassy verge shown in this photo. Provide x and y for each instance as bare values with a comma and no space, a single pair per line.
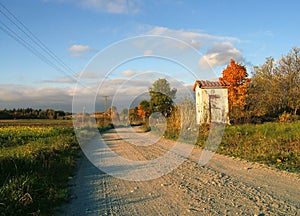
35,163
275,144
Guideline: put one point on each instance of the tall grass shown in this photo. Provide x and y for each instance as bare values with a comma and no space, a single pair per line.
182,122
35,163
276,144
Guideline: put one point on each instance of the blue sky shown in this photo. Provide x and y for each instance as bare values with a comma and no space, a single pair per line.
76,30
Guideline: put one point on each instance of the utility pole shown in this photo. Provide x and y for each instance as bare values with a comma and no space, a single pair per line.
105,101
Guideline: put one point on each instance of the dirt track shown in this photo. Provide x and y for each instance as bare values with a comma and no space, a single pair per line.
225,186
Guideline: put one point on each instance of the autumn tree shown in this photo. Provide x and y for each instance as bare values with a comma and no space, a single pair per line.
275,86
236,75
265,95
289,71
161,97
133,114
144,109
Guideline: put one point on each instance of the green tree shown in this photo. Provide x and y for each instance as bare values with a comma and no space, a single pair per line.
275,86
145,105
161,97
265,92
50,114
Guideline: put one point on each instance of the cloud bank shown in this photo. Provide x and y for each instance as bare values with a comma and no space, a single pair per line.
216,50
122,92
22,96
57,97
220,54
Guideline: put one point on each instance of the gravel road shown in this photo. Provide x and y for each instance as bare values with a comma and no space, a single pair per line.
224,186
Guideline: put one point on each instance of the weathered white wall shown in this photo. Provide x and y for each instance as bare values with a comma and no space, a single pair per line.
211,105
198,93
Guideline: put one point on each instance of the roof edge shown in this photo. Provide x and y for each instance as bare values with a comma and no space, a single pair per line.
205,84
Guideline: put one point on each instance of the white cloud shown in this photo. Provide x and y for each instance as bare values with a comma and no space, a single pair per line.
78,50
106,6
220,54
218,50
269,33
128,73
112,6
148,52
194,38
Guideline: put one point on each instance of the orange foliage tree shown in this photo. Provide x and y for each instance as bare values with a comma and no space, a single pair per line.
236,75
143,109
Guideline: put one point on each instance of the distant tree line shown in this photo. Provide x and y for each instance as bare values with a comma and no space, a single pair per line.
29,113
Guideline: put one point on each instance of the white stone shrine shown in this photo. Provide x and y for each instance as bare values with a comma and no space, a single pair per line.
211,101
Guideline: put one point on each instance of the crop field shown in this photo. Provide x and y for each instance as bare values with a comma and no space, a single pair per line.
36,161
35,122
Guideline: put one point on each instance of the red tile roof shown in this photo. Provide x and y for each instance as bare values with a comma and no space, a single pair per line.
204,84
